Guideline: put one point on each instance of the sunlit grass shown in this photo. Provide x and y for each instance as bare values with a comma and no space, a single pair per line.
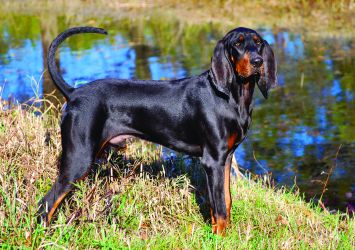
121,205
321,17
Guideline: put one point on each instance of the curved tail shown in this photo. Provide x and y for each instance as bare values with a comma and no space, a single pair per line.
58,80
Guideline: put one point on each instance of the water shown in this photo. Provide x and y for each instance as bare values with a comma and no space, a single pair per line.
295,134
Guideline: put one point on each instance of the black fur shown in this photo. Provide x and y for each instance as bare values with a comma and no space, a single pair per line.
206,115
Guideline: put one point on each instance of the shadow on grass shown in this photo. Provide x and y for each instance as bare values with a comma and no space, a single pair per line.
115,165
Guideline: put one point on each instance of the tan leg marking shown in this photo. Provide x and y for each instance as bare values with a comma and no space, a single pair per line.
220,227
213,222
227,193
55,205
219,224
59,200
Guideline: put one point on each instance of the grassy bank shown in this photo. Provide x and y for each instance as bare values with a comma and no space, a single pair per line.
316,18
129,202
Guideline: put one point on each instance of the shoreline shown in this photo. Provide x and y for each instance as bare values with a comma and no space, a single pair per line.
318,19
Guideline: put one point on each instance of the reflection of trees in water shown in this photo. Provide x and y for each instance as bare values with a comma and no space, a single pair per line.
187,47
50,92
142,70
142,52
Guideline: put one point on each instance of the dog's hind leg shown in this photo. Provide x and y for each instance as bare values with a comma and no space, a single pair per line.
78,154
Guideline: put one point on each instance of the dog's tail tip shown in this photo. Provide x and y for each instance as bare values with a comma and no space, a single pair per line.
58,80
92,30
104,32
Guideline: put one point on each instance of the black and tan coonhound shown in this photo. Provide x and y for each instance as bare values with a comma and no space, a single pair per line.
206,115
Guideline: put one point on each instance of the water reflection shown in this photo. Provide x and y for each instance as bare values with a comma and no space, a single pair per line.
295,134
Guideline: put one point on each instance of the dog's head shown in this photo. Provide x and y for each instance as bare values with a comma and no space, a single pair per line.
242,55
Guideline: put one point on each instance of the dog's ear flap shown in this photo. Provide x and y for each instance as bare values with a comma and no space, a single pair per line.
268,78
222,70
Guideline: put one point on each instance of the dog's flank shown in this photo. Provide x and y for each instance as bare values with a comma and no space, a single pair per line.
206,116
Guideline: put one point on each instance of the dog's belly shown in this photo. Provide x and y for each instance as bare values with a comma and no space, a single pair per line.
193,150
118,140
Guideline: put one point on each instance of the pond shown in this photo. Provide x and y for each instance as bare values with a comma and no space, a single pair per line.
304,132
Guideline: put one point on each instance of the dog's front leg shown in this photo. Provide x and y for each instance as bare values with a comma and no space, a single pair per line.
218,186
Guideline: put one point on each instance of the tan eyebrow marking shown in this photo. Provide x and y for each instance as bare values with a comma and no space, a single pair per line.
256,38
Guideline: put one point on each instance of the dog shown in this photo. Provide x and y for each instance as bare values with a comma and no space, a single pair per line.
206,116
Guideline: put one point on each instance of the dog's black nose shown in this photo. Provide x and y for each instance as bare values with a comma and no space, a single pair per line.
257,61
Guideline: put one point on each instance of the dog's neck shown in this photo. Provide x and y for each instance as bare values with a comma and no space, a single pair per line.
242,92
241,96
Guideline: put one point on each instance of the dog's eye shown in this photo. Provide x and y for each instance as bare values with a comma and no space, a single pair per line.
238,44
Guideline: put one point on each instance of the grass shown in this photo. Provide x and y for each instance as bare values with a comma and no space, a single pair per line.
131,201
316,18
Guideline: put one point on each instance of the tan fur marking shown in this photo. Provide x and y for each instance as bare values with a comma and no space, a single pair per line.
227,193
59,200
213,219
220,224
256,38
55,205
220,227
231,140
243,66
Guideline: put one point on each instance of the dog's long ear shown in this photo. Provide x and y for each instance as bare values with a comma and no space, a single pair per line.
222,70
268,78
